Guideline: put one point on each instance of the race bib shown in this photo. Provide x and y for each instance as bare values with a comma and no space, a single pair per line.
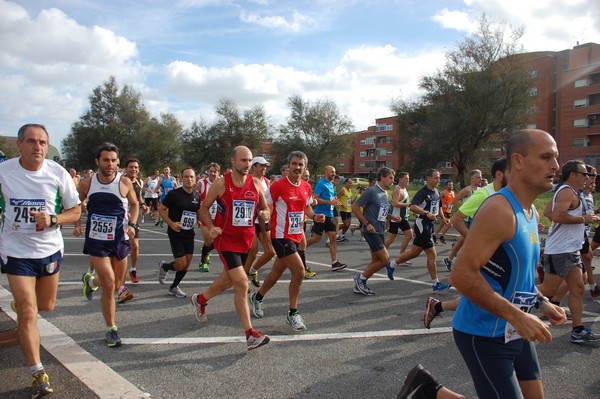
524,301
295,222
435,207
213,210
188,220
22,208
349,202
102,227
383,212
243,212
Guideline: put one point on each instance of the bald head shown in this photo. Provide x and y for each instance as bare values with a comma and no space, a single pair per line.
239,149
521,141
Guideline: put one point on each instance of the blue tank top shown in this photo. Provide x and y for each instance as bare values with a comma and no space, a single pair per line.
167,185
510,272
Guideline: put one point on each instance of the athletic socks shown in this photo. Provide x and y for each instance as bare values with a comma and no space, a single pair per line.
179,275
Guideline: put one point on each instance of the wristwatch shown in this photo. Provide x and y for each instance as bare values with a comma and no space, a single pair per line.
53,220
134,225
539,300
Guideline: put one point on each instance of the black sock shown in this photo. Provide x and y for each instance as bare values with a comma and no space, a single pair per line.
577,329
302,254
438,307
169,266
293,312
178,277
205,251
430,390
259,297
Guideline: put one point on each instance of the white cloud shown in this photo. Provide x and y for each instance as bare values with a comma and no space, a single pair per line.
552,25
50,63
363,83
298,22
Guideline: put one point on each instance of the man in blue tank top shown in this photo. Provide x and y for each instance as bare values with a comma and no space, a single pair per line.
495,273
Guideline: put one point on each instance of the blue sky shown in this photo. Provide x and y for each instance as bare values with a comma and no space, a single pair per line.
185,55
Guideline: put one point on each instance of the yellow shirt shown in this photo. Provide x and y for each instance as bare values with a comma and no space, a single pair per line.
345,197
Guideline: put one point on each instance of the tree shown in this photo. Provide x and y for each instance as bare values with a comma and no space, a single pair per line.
318,129
159,143
480,96
116,116
206,143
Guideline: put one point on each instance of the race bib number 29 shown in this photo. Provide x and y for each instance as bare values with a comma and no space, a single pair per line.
243,213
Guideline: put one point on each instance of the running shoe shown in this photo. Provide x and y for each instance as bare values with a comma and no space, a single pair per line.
162,273
337,265
295,322
203,267
442,240
308,274
415,382
254,279
390,270
595,293
199,310
430,312
112,338
177,292
40,385
327,244
360,286
255,306
439,286
124,296
133,276
157,222
407,263
341,238
584,336
88,285
256,339
448,264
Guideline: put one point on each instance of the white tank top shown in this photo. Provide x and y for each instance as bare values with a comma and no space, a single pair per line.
151,185
565,238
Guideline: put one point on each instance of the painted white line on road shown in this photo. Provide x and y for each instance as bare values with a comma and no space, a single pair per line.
100,378
284,338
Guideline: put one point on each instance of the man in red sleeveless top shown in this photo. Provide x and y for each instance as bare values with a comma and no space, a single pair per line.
240,198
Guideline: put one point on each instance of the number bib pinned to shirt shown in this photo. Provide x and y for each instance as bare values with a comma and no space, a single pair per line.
103,227
295,222
383,212
524,301
243,213
213,210
188,219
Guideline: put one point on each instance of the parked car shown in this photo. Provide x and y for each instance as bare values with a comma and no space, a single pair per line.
360,181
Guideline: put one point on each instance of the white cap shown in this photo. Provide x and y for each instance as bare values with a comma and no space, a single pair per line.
260,160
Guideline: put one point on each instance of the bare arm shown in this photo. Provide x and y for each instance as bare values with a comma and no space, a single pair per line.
216,190
458,221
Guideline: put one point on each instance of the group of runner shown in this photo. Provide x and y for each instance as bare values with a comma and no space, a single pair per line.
240,209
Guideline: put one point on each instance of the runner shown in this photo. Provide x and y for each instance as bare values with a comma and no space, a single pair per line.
290,198
132,170
400,206
151,190
259,166
37,196
375,210
180,210
166,183
426,204
447,197
344,194
495,273
239,196
202,187
108,230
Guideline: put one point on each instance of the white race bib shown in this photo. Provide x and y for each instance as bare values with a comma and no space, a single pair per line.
188,220
435,206
349,202
243,212
213,210
383,212
524,301
22,210
102,227
295,222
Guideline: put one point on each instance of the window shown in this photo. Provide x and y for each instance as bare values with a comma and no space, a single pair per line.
582,122
370,140
382,127
578,143
592,159
580,103
533,91
582,82
363,154
383,152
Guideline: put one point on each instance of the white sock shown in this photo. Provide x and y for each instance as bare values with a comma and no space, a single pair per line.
36,367
252,271
434,281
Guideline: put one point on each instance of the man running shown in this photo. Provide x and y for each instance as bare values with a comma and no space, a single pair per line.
375,209
37,196
166,183
400,205
426,204
291,198
239,195
180,210
202,187
108,230
495,273
447,197
151,190
326,201
344,194
132,170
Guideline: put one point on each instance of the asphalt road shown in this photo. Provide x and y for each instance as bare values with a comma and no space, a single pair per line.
355,346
